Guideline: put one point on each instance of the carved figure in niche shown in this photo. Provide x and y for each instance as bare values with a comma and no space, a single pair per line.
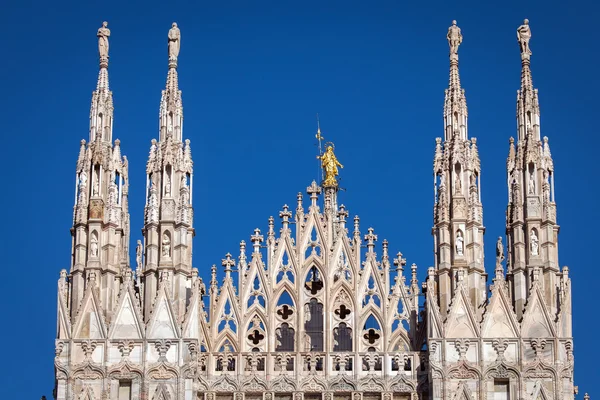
167,185
329,163
523,36
138,254
96,187
174,41
457,184
103,34
94,245
531,183
166,245
534,243
82,180
454,37
459,243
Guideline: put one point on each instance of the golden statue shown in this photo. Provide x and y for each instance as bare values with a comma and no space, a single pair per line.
329,163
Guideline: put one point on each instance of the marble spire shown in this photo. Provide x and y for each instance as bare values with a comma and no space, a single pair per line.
455,105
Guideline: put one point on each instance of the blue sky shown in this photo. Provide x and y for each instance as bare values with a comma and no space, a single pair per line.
253,78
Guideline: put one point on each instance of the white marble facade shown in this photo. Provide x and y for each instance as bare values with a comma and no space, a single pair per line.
317,313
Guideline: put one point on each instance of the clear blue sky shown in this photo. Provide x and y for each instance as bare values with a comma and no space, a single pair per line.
253,78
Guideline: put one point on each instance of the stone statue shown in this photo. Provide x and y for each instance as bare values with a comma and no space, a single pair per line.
531,183
454,37
138,254
82,179
458,184
523,36
166,245
96,188
499,251
174,41
94,246
103,34
167,185
329,163
459,244
534,243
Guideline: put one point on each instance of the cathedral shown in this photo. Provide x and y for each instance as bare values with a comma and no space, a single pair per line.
313,307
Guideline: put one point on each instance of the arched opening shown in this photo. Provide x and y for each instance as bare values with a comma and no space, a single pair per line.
284,338
342,337
314,281
313,326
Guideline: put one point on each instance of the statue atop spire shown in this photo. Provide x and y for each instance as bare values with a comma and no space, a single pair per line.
103,34
454,37
329,163
174,44
523,36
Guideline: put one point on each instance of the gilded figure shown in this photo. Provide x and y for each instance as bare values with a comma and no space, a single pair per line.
330,165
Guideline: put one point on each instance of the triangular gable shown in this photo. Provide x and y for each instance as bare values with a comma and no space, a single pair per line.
461,322
313,224
194,325
227,295
565,318
127,322
370,271
463,392
64,322
285,248
539,393
162,323
343,246
87,393
499,320
90,321
161,393
537,322
255,271
435,326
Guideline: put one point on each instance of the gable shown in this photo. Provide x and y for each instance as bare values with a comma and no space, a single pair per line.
536,319
126,323
499,320
461,321
89,321
162,323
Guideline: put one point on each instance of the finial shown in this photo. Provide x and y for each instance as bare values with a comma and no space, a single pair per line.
399,262
314,191
174,45
414,281
356,226
330,165
299,208
227,263
256,240
342,214
103,34
455,38
523,36
370,238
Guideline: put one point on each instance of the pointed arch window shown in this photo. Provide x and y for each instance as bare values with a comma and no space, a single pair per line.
313,326
314,282
342,338
284,338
